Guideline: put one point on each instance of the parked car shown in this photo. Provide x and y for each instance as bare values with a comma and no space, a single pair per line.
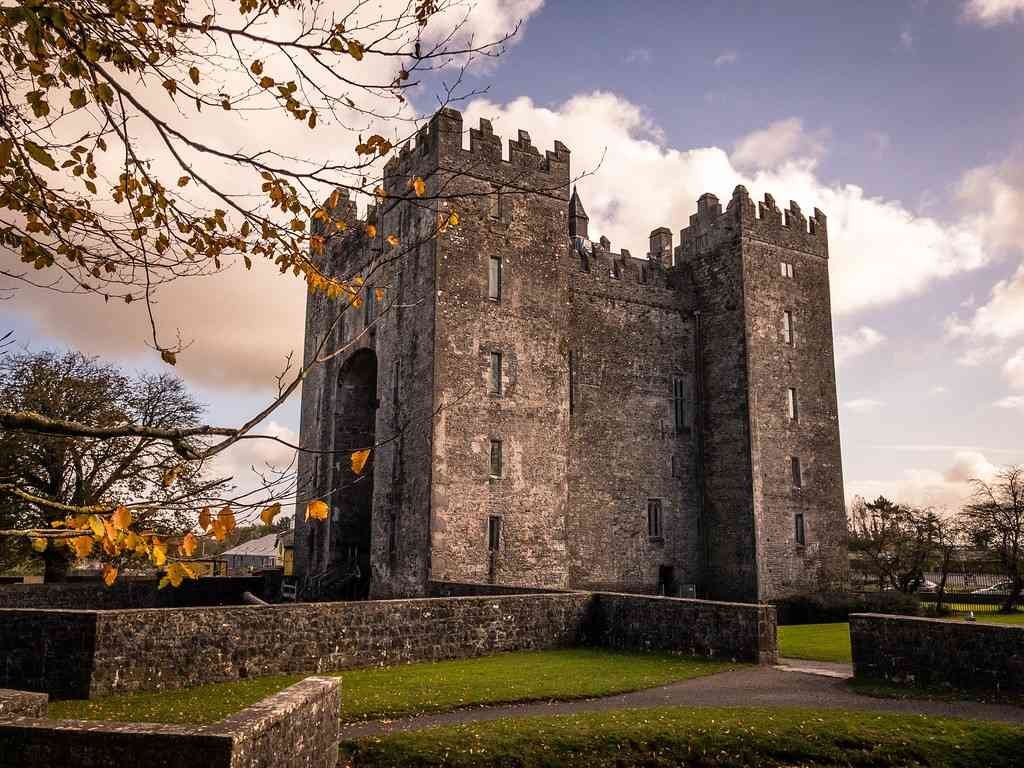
999,588
928,586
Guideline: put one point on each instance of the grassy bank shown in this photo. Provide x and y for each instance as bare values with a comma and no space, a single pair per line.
410,689
709,738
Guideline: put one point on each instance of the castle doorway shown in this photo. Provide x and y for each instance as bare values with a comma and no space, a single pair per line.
354,429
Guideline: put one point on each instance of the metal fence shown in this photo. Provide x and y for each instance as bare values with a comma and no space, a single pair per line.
971,585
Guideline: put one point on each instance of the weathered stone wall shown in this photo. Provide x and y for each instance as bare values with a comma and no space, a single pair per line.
296,728
468,589
141,593
696,627
48,651
630,342
937,652
22,704
87,654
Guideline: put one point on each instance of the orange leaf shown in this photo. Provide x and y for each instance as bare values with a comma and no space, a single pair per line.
109,575
188,545
392,240
418,186
82,545
371,231
359,460
204,518
268,514
317,510
122,518
159,553
39,545
96,524
226,518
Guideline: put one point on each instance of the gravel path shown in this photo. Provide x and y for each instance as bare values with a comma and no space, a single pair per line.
747,687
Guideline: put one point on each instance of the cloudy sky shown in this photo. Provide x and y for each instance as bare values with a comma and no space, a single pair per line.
902,119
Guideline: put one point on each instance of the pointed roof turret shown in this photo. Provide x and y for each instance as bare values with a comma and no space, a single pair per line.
578,219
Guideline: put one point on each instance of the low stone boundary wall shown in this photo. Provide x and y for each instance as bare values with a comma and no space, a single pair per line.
740,631
937,652
133,593
85,654
22,704
469,589
295,728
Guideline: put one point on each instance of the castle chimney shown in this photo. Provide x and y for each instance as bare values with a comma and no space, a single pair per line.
661,246
578,219
708,205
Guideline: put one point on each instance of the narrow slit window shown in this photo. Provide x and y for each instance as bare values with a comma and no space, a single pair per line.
495,458
370,305
786,268
679,404
792,404
798,521
494,279
496,373
493,533
798,477
654,522
495,202
572,382
787,327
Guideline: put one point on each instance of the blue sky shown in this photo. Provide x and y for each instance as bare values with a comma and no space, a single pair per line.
903,120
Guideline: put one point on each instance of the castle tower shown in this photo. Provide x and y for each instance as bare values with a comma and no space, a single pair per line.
772,473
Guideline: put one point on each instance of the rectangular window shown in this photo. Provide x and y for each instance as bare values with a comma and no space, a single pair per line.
494,279
792,404
654,518
798,520
679,403
495,458
370,305
496,373
798,477
493,533
572,382
787,327
786,268
677,470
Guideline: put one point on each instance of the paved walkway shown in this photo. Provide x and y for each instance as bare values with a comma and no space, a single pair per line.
747,687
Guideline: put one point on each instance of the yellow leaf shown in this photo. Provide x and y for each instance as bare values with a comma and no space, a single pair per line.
379,293
134,542
122,518
109,575
170,476
317,510
453,220
188,545
268,514
204,518
158,554
82,545
226,518
419,186
39,545
392,240
359,460
97,526
183,181
168,357
371,231
355,50
163,583
177,573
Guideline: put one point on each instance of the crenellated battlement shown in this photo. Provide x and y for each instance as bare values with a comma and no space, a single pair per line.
439,144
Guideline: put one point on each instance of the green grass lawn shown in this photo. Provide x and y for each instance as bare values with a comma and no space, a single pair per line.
417,688
831,642
709,738
817,642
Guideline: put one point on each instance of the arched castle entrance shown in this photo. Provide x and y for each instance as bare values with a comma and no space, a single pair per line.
354,428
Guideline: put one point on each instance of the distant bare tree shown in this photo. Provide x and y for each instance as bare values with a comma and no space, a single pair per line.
994,521
896,541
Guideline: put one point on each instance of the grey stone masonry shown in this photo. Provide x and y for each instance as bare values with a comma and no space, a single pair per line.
186,647
938,652
22,704
295,728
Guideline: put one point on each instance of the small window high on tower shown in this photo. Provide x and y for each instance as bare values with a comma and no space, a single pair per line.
792,404
496,373
495,458
494,279
787,327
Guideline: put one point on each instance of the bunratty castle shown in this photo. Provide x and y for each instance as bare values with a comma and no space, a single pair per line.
549,412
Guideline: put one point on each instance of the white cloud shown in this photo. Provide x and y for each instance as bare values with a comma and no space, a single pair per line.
1013,369
949,488
993,195
726,57
258,465
863,404
1012,402
938,390
860,342
777,143
1001,317
880,251
989,13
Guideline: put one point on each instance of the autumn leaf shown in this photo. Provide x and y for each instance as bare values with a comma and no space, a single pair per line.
227,519
188,545
371,231
96,524
453,220
122,518
40,155
109,575
379,293
204,518
170,476
193,73
82,545
39,545
171,86
158,553
183,181
168,357
355,50
418,186
392,240
317,510
268,514
359,460
257,67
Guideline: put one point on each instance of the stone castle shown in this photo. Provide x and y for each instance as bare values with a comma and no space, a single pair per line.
549,412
